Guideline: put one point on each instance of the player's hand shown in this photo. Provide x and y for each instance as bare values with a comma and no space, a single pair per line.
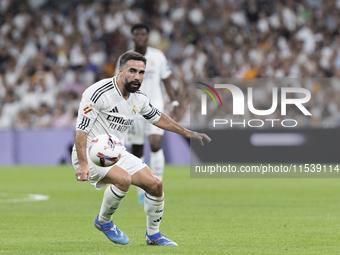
83,173
200,137
175,111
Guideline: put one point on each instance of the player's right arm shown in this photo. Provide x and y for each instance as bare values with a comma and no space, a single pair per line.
83,172
87,114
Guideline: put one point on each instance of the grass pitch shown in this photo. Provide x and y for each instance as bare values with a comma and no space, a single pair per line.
204,216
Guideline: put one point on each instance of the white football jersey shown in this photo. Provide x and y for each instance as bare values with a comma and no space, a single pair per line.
156,70
104,110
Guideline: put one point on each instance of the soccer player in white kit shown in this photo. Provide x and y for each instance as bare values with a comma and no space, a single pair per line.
109,107
157,71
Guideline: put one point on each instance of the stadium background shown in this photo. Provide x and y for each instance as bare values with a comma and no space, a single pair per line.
51,51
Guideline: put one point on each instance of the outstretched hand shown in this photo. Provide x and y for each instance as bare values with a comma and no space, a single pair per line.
83,173
200,137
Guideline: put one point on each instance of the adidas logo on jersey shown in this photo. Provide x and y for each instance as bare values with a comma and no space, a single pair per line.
115,109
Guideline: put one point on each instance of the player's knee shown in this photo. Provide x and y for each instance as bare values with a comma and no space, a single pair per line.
157,188
155,142
156,146
137,150
124,182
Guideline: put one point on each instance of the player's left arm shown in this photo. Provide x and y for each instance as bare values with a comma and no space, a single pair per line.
163,121
166,123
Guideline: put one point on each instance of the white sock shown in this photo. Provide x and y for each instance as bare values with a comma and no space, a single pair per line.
112,198
153,207
157,162
139,190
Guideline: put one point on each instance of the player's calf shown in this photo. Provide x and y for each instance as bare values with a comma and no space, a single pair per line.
111,201
153,207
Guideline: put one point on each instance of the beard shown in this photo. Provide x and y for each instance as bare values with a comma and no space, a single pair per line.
128,86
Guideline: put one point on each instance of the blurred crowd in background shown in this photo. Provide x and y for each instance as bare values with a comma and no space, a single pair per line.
51,51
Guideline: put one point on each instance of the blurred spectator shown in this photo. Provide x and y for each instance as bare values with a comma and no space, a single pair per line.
50,51
60,118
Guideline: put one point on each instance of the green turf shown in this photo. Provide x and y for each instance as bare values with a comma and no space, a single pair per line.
204,216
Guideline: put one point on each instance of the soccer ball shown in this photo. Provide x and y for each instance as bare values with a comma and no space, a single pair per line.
105,150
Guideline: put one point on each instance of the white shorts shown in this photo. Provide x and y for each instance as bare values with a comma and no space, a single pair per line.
140,130
128,162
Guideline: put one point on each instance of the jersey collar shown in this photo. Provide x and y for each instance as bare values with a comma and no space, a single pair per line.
116,86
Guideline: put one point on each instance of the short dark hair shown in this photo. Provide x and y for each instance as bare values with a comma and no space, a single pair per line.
131,56
137,26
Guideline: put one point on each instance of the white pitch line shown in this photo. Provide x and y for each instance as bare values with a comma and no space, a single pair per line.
25,198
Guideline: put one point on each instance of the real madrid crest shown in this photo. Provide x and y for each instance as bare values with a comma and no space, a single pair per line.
134,110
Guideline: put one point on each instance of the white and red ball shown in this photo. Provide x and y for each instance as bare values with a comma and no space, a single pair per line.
105,150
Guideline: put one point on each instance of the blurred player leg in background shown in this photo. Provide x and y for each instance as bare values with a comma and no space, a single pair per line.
157,160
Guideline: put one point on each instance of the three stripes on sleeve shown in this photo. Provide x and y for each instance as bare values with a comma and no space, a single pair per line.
84,123
106,87
94,98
